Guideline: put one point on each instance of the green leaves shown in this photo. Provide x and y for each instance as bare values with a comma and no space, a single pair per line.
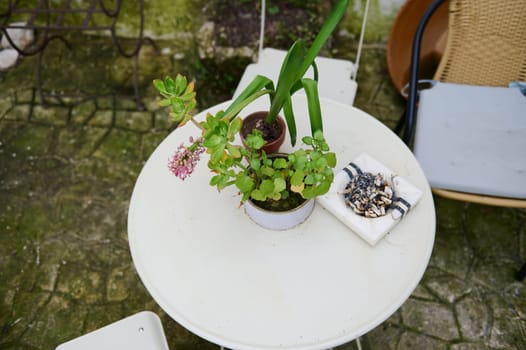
255,140
297,178
180,95
325,32
269,189
295,65
259,86
290,80
307,171
312,168
288,76
289,118
280,163
313,102
213,141
245,183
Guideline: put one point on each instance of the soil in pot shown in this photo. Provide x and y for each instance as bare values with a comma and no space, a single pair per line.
293,201
274,134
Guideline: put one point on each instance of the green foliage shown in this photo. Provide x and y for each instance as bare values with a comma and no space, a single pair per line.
290,80
266,177
180,95
273,9
306,171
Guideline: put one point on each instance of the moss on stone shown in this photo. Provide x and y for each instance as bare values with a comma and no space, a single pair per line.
82,112
58,313
134,121
78,142
163,18
30,140
119,146
379,20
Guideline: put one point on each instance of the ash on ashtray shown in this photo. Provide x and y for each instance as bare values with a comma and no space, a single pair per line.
369,195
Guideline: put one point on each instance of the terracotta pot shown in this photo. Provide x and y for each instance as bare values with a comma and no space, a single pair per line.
249,123
400,42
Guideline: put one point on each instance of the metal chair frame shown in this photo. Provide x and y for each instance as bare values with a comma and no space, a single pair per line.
49,21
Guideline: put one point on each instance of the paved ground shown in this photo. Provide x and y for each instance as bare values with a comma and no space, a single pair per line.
66,176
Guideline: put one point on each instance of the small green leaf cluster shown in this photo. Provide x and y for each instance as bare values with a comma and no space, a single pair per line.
225,157
307,171
180,95
312,173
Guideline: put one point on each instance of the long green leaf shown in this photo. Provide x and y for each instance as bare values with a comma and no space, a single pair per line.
259,82
328,27
159,85
315,69
313,100
288,75
296,87
291,122
234,109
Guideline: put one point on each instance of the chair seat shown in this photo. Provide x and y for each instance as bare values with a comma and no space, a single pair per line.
476,141
334,75
137,332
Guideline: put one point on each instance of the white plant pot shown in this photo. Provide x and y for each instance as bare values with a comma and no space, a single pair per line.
279,221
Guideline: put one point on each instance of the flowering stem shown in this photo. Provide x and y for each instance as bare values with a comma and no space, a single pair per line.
196,123
185,159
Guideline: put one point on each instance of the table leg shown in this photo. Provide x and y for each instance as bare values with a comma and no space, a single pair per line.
522,273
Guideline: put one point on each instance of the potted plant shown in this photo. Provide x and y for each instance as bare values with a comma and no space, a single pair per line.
292,79
274,183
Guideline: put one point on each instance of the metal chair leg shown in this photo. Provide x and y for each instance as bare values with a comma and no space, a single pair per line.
521,273
400,124
358,343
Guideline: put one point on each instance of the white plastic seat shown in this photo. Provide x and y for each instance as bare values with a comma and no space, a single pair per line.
476,142
337,77
141,331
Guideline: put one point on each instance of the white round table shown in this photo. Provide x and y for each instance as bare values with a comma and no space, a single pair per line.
236,284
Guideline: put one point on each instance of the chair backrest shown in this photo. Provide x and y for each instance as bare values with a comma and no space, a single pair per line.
486,43
486,46
140,331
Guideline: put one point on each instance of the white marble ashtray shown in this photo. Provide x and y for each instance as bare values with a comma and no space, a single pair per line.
405,197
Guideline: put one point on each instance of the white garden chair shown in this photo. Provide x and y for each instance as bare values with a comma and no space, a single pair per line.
140,331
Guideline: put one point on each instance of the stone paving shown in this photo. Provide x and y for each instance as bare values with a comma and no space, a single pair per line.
66,176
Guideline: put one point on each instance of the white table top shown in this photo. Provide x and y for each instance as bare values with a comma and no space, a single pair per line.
238,285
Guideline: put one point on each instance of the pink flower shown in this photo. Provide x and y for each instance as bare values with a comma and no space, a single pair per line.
185,158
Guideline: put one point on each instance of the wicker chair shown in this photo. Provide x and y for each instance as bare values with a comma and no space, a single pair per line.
485,50
471,59
486,46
